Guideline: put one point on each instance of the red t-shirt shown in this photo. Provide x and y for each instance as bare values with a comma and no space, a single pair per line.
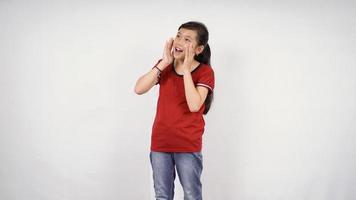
176,128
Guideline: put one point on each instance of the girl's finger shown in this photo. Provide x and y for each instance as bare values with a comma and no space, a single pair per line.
171,51
170,43
186,53
191,50
168,47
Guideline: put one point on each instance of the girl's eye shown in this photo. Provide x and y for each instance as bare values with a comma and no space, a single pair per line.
187,40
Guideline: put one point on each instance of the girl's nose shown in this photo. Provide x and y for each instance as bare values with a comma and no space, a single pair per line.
178,40
176,43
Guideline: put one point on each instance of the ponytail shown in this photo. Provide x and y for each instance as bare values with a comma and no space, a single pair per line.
204,57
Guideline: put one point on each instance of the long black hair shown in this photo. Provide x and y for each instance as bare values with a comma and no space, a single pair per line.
204,56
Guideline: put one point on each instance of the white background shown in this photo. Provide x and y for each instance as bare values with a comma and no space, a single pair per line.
282,126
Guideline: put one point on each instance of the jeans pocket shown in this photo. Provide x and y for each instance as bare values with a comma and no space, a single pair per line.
198,155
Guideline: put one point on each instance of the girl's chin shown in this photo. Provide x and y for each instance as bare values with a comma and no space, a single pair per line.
178,56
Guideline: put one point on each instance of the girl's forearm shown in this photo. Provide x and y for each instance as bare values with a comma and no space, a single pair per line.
192,95
147,81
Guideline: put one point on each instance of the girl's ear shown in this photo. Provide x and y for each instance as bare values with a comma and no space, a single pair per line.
199,49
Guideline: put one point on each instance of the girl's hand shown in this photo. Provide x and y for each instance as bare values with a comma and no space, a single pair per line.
168,52
188,58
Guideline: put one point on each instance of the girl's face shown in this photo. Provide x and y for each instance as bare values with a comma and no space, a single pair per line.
184,38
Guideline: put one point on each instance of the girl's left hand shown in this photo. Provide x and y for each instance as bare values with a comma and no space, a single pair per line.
188,58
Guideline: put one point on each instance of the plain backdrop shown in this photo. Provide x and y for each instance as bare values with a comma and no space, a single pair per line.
282,125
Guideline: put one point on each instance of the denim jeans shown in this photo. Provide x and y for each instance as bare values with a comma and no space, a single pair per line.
189,167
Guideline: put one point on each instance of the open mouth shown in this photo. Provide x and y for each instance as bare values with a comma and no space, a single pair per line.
179,50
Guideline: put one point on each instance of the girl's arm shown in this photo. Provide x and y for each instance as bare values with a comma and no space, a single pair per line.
195,96
148,80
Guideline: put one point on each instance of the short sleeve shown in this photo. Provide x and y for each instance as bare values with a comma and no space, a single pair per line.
207,79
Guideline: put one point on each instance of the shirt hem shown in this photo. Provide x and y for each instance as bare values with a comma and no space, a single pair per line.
175,150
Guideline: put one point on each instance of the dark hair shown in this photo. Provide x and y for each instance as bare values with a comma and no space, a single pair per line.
204,56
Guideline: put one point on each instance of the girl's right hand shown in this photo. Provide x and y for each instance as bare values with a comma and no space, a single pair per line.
168,52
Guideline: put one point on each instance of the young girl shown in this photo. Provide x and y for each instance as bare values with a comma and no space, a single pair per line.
186,82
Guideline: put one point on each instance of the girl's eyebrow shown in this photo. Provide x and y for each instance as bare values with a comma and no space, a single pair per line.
179,33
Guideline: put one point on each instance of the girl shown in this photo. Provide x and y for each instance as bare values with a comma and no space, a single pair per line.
186,82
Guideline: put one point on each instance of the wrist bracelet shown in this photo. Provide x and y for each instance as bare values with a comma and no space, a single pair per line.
157,69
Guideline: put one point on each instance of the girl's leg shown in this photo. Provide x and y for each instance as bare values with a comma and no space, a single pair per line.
189,168
163,175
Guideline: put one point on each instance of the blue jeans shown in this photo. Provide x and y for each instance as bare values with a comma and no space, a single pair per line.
189,168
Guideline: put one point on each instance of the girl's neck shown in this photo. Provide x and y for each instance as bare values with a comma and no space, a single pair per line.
178,64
